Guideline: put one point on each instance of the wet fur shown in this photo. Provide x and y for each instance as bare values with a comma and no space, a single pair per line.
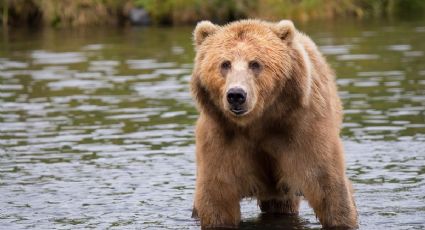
287,146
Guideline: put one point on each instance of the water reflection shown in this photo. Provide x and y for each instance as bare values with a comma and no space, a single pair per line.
96,127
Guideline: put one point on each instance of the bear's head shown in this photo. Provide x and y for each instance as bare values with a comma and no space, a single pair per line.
242,68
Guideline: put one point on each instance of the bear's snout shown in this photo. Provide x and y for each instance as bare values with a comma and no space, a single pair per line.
237,97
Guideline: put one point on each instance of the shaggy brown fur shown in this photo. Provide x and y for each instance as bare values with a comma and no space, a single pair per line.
285,144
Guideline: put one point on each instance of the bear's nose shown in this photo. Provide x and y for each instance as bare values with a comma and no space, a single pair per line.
236,96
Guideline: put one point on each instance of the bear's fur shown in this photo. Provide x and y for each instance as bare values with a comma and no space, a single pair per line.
282,141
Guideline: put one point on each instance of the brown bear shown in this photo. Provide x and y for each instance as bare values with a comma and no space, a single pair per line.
269,125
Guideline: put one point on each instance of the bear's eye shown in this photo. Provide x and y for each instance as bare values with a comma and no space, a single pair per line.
226,65
254,65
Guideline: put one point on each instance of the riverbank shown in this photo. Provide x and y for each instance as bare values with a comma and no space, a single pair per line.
66,13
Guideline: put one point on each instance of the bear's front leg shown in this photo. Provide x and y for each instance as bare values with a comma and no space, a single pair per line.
333,203
216,204
220,168
329,192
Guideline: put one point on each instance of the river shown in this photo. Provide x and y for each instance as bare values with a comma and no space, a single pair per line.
96,126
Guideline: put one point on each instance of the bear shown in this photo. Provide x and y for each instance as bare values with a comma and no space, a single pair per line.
268,127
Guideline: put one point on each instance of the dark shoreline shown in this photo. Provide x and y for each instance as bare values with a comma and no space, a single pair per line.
76,13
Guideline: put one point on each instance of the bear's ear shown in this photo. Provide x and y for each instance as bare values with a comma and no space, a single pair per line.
284,29
203,30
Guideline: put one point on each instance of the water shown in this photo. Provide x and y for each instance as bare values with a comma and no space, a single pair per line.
96,127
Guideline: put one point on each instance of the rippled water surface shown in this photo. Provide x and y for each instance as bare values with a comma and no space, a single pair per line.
96,127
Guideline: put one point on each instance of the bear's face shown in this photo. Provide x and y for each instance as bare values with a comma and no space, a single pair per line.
241,67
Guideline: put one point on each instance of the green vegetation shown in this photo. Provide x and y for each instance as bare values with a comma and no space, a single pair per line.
63,12
177,12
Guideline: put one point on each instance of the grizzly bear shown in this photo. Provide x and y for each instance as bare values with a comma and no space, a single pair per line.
269,125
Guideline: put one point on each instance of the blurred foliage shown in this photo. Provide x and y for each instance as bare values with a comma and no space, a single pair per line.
63,12
177,12
189,11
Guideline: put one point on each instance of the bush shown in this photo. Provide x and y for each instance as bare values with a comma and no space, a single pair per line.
177,12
